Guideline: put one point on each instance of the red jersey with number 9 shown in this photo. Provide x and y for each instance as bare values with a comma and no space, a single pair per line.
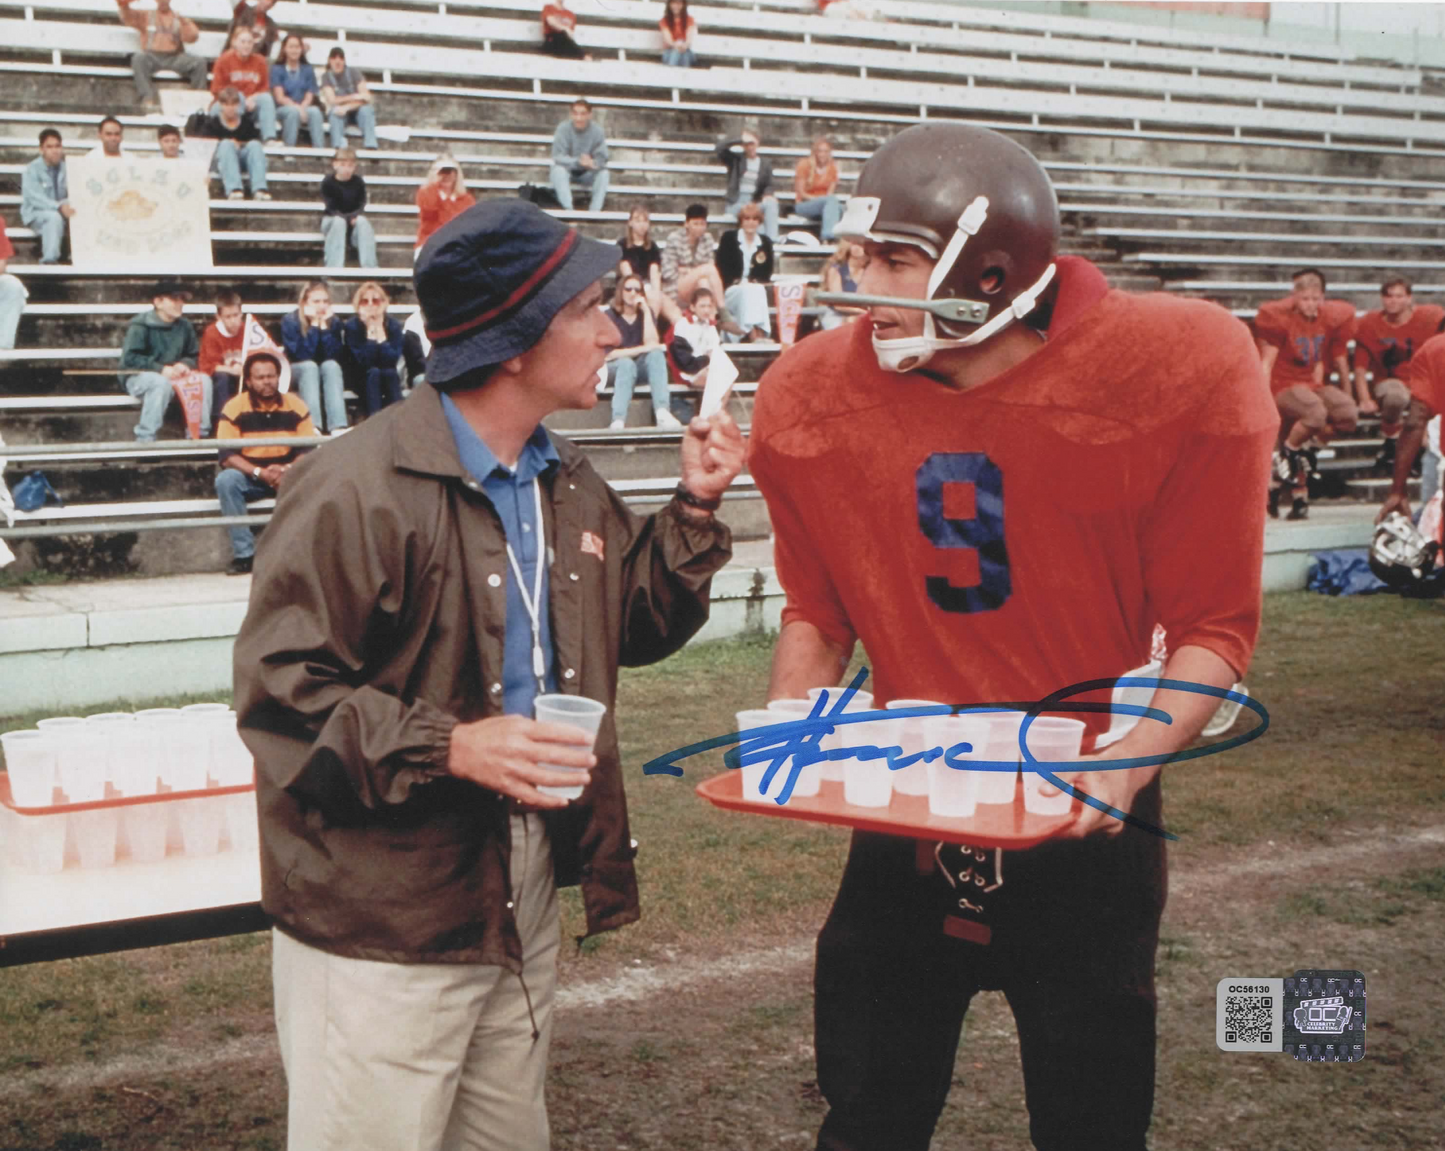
1027,534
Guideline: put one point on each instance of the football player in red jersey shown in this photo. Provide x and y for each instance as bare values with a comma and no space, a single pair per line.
1297,337
1427,400
1385,339
1000,491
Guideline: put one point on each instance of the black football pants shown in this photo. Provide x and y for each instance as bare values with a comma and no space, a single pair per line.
1075,927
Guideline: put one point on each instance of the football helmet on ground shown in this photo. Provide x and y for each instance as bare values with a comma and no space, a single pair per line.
1400,555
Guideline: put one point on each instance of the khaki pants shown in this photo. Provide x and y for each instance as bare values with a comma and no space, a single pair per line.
1325,411
423,1057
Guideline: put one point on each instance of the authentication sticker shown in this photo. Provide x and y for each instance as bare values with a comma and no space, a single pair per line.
1315,1015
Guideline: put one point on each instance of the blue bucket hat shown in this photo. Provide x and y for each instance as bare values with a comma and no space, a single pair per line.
490,281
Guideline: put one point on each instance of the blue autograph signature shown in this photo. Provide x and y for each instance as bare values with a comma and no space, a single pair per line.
800,739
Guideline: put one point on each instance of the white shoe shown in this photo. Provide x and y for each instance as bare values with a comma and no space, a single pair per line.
666,419
617,425
334,432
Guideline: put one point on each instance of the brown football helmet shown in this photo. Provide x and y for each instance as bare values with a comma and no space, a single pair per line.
980,206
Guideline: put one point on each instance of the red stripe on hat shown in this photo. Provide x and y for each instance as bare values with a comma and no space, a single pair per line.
545,269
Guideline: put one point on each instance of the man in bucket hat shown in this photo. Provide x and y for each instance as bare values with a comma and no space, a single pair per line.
423,580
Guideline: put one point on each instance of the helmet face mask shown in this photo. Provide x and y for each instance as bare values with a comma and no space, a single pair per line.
980,207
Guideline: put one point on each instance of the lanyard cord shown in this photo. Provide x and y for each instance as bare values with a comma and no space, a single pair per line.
533,602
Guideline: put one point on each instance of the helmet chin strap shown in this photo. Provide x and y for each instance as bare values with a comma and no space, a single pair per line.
911,352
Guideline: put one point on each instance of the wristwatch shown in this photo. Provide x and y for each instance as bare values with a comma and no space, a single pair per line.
682,495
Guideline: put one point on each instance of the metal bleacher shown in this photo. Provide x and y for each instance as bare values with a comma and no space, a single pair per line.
1205,163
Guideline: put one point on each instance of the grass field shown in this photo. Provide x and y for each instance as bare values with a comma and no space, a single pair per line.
1320,845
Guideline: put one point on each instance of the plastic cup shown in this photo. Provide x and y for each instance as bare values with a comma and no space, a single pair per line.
80,767
133,757
753,773
843,737
200,823
810,779
30,762
232,764
36,843
94,833
107,731
1003,746
1050,739
952,791
144,827
169,733
242,827
911,780
573,711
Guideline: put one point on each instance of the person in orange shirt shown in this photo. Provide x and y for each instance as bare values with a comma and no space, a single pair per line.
442,196
679,32
559,26
1297,336
1385,339
243,68
815,179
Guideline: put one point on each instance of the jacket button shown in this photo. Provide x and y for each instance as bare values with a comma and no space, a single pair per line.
494,580
496,689
510,905
568,674
573,576
571,487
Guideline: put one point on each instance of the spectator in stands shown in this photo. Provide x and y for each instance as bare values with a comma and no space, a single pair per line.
745,263
415,348
373,344
255,17
45,196
579,156
111,134
679,32
815,182
1385,339
160,348
840,274
312,338
347,97
643,258
240,150
245,71
695,337
640,350
12,294
687,259
168,136
558,26
221,343
1297,337
247,474
294,88
442,197
163,32
343,196
750,178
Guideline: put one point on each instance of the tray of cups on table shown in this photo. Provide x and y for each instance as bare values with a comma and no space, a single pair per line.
990,806
88,791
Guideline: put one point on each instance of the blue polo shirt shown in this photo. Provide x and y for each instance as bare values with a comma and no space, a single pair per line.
511,494
296,84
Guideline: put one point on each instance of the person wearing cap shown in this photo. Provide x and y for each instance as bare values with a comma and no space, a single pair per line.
347,98
161,347
259,409
442,197
424,578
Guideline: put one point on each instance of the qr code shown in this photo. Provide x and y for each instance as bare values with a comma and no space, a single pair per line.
1249,1019
1248,1014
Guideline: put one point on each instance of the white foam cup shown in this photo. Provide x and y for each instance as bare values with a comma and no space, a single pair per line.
30,762
753,773
1050,739
953,791
810,778
912,780
80,764
1003,746
844,736
573,711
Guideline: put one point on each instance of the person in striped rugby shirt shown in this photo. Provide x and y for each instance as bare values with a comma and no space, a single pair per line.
261,409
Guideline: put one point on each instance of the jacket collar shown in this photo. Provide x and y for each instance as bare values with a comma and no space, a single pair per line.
422,441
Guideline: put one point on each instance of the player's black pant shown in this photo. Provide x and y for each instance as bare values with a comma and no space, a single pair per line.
1075,927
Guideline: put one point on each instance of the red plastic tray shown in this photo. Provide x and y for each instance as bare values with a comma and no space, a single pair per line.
992,824
119,801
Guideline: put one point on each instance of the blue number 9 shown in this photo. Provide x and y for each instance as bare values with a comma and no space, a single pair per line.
984,532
